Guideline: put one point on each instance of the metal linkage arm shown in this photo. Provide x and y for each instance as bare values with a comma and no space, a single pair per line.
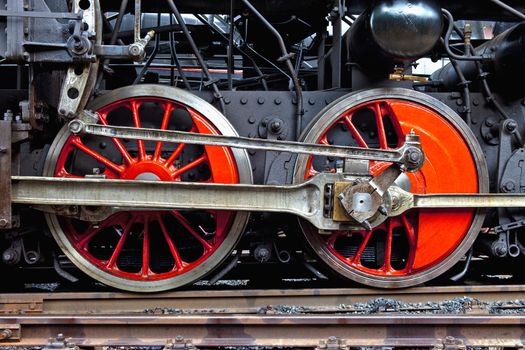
410,154
304,200
406,200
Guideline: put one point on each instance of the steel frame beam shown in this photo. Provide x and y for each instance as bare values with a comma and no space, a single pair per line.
5,175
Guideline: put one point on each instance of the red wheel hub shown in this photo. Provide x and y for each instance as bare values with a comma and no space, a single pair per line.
149,245
419,239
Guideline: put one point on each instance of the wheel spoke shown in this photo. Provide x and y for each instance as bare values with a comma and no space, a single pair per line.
362,246
168,108
173,249
381,134
114,256
98,157
145,249
411,242
177,173
387,266
175,154
355,133
92,230
136,121
180,218
120,146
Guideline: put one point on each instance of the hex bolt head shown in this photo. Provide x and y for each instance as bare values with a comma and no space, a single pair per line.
75,126
511,125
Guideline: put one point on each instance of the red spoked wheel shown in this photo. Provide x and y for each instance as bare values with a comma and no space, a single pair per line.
420,244
144,250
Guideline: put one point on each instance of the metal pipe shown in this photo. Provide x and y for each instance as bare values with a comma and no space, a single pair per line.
452,55
231,61
151,57
260,74
285,57
197,54
173,51
509,9
113,40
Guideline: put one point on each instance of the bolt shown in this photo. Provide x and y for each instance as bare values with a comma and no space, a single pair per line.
382,209
276,126
8,115
489,123
511,125
244,101
509,186
260,100
75,126
366,225
3,222
414,156
227,100
277,101
251,120
6,334
311,101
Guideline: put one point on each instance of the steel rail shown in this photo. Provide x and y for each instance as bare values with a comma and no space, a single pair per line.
246,301
399,155
121,319
263,330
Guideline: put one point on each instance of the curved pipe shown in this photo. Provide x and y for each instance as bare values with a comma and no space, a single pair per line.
286,57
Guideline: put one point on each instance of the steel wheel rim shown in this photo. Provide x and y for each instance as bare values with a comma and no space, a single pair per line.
236,224
326,118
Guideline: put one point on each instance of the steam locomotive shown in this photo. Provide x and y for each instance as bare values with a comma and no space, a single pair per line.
148,144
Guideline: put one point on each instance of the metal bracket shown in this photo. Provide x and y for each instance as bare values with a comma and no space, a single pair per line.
79,80
60,343
179,343
450,343
332,343
9,332
5,175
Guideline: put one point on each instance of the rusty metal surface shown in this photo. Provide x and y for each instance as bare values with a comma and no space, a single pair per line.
5,174
239,301
263,330
233,318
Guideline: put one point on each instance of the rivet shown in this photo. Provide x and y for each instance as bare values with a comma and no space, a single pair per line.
244,100
227,100
277,101
251,120
311,101
260,100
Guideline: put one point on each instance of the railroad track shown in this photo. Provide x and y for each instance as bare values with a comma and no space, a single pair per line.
437,317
